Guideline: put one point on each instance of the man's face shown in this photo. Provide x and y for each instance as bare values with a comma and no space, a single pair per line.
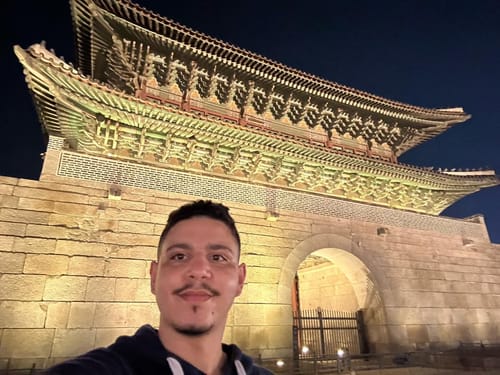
197,276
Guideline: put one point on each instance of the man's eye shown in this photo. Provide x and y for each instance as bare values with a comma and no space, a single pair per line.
219,258
178,257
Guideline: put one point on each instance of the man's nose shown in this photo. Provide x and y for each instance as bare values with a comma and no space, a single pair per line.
199,268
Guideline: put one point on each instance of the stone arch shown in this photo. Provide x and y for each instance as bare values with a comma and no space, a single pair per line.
358,266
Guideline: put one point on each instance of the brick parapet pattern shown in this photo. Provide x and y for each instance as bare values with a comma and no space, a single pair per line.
141,176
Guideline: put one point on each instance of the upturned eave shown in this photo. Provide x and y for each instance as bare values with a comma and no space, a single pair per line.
101,120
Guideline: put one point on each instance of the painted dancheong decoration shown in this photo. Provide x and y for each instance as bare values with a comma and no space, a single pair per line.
151,91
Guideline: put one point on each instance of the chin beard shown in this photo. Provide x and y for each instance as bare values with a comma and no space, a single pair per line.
193,331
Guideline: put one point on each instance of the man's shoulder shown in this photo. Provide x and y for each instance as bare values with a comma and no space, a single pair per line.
139,353
97,361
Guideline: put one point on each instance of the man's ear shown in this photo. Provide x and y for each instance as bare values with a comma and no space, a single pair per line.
242,274
153,268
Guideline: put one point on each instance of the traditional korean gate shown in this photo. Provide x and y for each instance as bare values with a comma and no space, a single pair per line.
323,332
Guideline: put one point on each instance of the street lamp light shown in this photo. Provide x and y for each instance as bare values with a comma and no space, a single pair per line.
343,360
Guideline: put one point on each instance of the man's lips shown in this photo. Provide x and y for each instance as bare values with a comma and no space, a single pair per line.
195,295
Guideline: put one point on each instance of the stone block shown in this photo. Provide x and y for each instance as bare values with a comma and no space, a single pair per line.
23,216
46,264
160,209
65,288
13,229
46,231
9,201
263,275
260,293
126,268
142,313
397,334
107,225
269,241
106,336
109,315
136,227
75,209
100,289
14,343
57,314
475,301
144,291
241,336
437,316
22,287
72,342
17,314
454,300
126,290
11,262
35,204
34,245
248,247
159,229
270,336
50,195
483,316
6,243
73,222
81,248
86,266
81,314
134,252
486,332
259,260
21,364
128,205
160,220
260,227
417,333
284,293
6,189
128,239
403,315
138,195
127,215
260,314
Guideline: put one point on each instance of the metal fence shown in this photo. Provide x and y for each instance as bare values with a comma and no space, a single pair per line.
321,333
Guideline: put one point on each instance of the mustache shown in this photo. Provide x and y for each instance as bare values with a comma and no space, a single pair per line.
204,286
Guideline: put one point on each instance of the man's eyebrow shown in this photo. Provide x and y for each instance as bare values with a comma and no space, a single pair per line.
179,245
217,246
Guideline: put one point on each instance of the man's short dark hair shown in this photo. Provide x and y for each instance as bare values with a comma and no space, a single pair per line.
205,208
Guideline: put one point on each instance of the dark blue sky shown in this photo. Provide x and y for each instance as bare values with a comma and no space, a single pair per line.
430,53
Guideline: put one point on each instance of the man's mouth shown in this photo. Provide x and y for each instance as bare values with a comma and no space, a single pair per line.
196,293
195,296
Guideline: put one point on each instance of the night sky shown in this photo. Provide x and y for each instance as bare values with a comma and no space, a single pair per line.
429,53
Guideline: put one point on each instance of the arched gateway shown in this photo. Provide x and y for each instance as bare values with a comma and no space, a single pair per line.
355,264
158,114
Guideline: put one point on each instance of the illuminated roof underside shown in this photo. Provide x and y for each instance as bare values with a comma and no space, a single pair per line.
124,123
139,52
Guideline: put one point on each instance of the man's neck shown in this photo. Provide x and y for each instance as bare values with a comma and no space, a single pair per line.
204,351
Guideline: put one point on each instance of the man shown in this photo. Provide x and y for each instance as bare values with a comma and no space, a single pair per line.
195,279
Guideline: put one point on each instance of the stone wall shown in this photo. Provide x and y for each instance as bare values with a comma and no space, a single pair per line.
75,258
325,286
75,270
